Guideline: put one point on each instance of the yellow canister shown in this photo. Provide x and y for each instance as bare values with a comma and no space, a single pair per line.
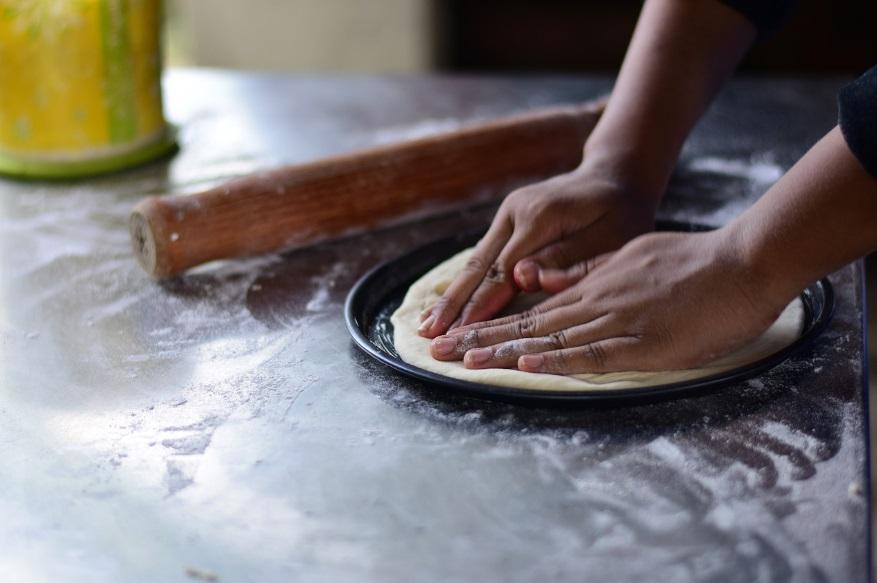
80,86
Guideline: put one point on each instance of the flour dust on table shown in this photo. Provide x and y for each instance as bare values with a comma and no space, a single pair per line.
414,349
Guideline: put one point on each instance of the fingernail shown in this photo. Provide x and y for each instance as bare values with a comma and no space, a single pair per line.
425,313
444,345
531,361
427,324
479,355
528,274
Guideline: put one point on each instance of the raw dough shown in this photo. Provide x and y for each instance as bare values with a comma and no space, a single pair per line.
414,349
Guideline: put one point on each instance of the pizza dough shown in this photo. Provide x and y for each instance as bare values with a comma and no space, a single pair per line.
414,349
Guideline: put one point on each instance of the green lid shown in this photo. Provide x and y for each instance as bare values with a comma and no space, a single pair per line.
67,169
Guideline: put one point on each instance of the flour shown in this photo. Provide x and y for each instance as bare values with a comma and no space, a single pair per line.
324,283
725,187
319,301
758,171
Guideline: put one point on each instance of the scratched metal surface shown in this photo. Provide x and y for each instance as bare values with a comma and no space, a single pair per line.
223,426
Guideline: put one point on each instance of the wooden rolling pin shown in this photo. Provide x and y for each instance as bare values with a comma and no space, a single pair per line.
298,205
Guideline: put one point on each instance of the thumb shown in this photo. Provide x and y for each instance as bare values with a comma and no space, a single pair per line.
562,255
556,256
556,280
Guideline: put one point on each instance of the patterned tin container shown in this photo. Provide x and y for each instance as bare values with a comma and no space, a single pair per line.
80,87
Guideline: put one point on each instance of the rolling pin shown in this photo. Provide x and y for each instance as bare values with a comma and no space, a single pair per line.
294,206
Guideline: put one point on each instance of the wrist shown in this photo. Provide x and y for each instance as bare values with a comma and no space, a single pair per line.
617,154
622,172
759,264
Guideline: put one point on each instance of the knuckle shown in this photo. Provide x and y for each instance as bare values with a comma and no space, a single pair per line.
525,326
537,206
577,271
516,197
559,340
467,308
445,307
496,273
651,261
560,361
440,305
548,213
581,298
595,354
475,264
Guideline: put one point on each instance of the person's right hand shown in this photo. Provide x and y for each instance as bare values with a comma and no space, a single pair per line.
665,301
539,229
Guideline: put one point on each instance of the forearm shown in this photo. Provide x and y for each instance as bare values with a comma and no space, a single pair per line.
681,52
820,216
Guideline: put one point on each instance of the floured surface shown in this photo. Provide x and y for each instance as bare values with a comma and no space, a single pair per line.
152,431
414,349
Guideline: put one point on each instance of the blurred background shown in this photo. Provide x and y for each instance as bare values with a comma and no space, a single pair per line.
401,36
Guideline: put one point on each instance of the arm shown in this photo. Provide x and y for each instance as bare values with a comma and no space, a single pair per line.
680,53
678,300
820,216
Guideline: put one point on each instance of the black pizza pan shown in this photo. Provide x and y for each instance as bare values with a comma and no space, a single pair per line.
378,294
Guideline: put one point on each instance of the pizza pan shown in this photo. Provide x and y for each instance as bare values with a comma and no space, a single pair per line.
378,294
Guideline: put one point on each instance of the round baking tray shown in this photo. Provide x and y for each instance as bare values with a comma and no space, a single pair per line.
375,297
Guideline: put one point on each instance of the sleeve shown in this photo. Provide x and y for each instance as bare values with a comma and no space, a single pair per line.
768,16
857,117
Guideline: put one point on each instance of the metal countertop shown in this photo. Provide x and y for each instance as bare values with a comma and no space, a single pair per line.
223,424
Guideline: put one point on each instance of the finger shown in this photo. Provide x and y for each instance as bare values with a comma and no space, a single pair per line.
556,301
601,356
448,307
526,274
562,254
555,256
557,280
506,354
498,287
590,241
524,327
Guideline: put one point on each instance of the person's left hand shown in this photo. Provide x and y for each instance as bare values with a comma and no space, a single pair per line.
664,301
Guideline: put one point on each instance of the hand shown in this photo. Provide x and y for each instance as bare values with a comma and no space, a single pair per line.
549,225
665,301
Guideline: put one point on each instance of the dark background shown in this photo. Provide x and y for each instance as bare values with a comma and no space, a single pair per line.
821,37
